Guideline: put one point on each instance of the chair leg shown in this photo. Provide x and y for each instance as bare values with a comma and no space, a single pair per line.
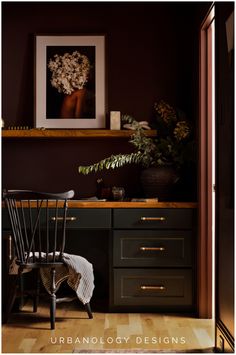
88,309
21,288
53,298
36,298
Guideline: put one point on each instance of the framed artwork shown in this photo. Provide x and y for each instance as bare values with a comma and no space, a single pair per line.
70,81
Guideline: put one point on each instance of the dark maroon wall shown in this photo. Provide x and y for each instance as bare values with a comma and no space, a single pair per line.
151,53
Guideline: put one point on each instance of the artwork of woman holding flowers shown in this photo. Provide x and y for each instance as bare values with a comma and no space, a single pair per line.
71,75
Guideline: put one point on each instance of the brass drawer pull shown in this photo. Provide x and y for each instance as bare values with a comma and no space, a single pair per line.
153,219
152,248
61,218
152,288
10,251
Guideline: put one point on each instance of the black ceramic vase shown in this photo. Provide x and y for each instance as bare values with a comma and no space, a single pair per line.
159,182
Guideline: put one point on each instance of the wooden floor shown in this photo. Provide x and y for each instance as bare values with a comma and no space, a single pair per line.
30,332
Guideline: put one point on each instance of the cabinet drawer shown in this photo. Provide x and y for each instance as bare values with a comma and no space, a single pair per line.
165,287
90,218
148,218
152,248
79,218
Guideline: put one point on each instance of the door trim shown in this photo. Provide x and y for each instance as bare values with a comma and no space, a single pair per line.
205,181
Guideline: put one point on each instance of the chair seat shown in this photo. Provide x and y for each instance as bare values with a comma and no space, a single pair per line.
38,265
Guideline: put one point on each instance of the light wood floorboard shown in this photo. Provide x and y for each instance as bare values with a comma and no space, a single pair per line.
28,332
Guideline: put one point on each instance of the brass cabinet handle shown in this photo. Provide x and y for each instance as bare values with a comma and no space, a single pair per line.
153,219
62,218
152,248
10,254
152,288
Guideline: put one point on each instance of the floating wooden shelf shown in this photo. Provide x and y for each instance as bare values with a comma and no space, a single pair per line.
70,133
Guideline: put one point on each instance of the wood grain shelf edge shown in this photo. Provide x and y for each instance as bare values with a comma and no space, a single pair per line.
71,133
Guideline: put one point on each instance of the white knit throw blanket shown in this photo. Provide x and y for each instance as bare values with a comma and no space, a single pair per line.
77,271
79,275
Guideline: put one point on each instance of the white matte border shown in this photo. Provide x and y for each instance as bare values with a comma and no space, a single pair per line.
41,42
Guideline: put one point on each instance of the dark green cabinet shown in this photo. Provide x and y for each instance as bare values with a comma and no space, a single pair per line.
153,259
143,258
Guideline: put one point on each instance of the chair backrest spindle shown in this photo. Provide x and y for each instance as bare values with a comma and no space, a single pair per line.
19,231
24,225
64,229
47,231
55,230
39,206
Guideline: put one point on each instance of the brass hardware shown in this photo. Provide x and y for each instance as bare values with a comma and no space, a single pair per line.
152,248
153,219
152,288
62,218
10,247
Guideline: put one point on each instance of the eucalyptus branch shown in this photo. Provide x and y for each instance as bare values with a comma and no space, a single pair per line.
112,162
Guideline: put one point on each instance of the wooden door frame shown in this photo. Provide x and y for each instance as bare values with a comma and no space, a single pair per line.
204,280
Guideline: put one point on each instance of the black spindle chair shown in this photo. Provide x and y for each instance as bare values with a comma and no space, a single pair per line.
38,223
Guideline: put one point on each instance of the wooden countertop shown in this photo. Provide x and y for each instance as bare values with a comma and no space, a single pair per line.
120,204
116,204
